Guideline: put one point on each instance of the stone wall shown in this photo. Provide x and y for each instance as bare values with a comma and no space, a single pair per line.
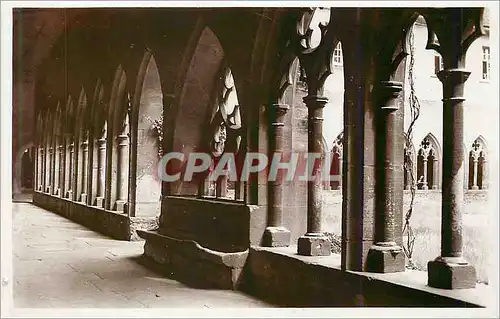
113,224
283,278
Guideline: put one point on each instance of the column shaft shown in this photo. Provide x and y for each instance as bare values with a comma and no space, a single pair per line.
84,170
474,177
276,235
451,270
435,174
424,181
385,255
121,171
314,242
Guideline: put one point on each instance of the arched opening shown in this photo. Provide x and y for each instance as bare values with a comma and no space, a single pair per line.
477,165
27,170
117,147
428,163
196,109
224,138
148,130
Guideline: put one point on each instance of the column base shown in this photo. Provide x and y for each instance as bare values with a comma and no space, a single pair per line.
434,187
475,188
451,273
40,188
276,237
69,194
120,206
99,202
56,192
425,187
47,190
314,245
385,259
83,198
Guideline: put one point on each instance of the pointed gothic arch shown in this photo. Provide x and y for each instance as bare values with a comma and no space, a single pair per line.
477,166
429,163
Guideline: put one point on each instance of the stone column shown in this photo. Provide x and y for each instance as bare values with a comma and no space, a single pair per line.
314,242
101,165
385,255
474,177
62,166
69,192
341,164
40,169
451,270
424,180
121,171
85,150
435,173
484,182
48,187
57,170
221,185
276,235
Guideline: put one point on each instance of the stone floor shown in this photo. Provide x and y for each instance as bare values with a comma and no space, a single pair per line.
58,263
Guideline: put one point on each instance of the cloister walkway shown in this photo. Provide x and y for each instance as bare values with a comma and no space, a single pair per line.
58,263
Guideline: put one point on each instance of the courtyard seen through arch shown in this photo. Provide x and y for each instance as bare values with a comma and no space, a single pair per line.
280,160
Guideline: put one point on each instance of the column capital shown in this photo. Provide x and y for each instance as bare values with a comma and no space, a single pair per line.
101,142
388,91
315,101
122,139
453,76
279,110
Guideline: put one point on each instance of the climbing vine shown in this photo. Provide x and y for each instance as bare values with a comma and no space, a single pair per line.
408,163
157,131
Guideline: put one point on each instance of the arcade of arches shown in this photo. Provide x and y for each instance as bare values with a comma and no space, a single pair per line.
118,88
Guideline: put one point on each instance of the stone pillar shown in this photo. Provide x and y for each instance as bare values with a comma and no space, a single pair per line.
424,180
57,170
314,242
276,235
435,173
341,164
40,169
121,171
69,192
85,150
474,177
62,166
385,255
48,186
484,182
451,270
101,165
221,185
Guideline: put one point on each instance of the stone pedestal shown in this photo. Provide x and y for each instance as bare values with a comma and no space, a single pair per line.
99,202
314,246
120,206
276,237
83,198
451,273
383,259
69,194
